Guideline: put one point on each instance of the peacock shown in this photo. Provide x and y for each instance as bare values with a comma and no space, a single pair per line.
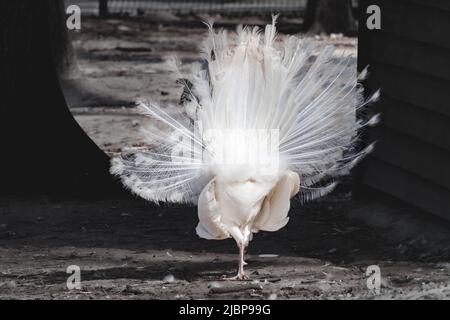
264,118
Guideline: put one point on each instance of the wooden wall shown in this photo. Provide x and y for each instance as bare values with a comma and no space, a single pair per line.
409,60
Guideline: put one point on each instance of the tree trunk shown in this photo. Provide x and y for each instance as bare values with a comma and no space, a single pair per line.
329,16
310,15
103,8
44,150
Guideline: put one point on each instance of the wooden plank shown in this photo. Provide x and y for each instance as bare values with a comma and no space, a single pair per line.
427,92
425,24
422,23
438,4
411,155
416,122
411,54
407,187
409,62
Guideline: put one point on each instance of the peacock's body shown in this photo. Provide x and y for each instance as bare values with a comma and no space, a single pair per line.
263,121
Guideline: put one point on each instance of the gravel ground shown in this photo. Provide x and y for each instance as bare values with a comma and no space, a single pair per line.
129,249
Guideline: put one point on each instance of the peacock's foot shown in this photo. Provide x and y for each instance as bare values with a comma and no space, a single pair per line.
238,277
241,275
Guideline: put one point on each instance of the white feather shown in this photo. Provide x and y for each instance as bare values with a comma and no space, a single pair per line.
252,81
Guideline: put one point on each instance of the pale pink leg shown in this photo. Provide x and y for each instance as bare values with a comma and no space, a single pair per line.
241,274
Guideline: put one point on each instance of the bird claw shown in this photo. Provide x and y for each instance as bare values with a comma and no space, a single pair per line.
243,277
239,276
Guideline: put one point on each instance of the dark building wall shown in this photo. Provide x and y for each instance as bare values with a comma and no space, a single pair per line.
409,60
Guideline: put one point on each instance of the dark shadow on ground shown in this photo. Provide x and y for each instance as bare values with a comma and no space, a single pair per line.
322,229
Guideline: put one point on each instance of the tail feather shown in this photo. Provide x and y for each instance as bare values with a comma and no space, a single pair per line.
250,80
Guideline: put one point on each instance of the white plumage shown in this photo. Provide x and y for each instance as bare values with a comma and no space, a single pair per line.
266,119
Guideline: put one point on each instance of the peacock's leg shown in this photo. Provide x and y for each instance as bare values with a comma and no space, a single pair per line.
241,275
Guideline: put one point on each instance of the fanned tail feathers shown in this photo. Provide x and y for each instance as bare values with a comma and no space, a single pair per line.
251,80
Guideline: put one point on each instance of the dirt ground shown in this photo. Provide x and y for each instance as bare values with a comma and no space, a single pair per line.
129,249
133,250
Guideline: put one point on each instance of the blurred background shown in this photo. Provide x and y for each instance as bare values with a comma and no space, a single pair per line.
120,51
